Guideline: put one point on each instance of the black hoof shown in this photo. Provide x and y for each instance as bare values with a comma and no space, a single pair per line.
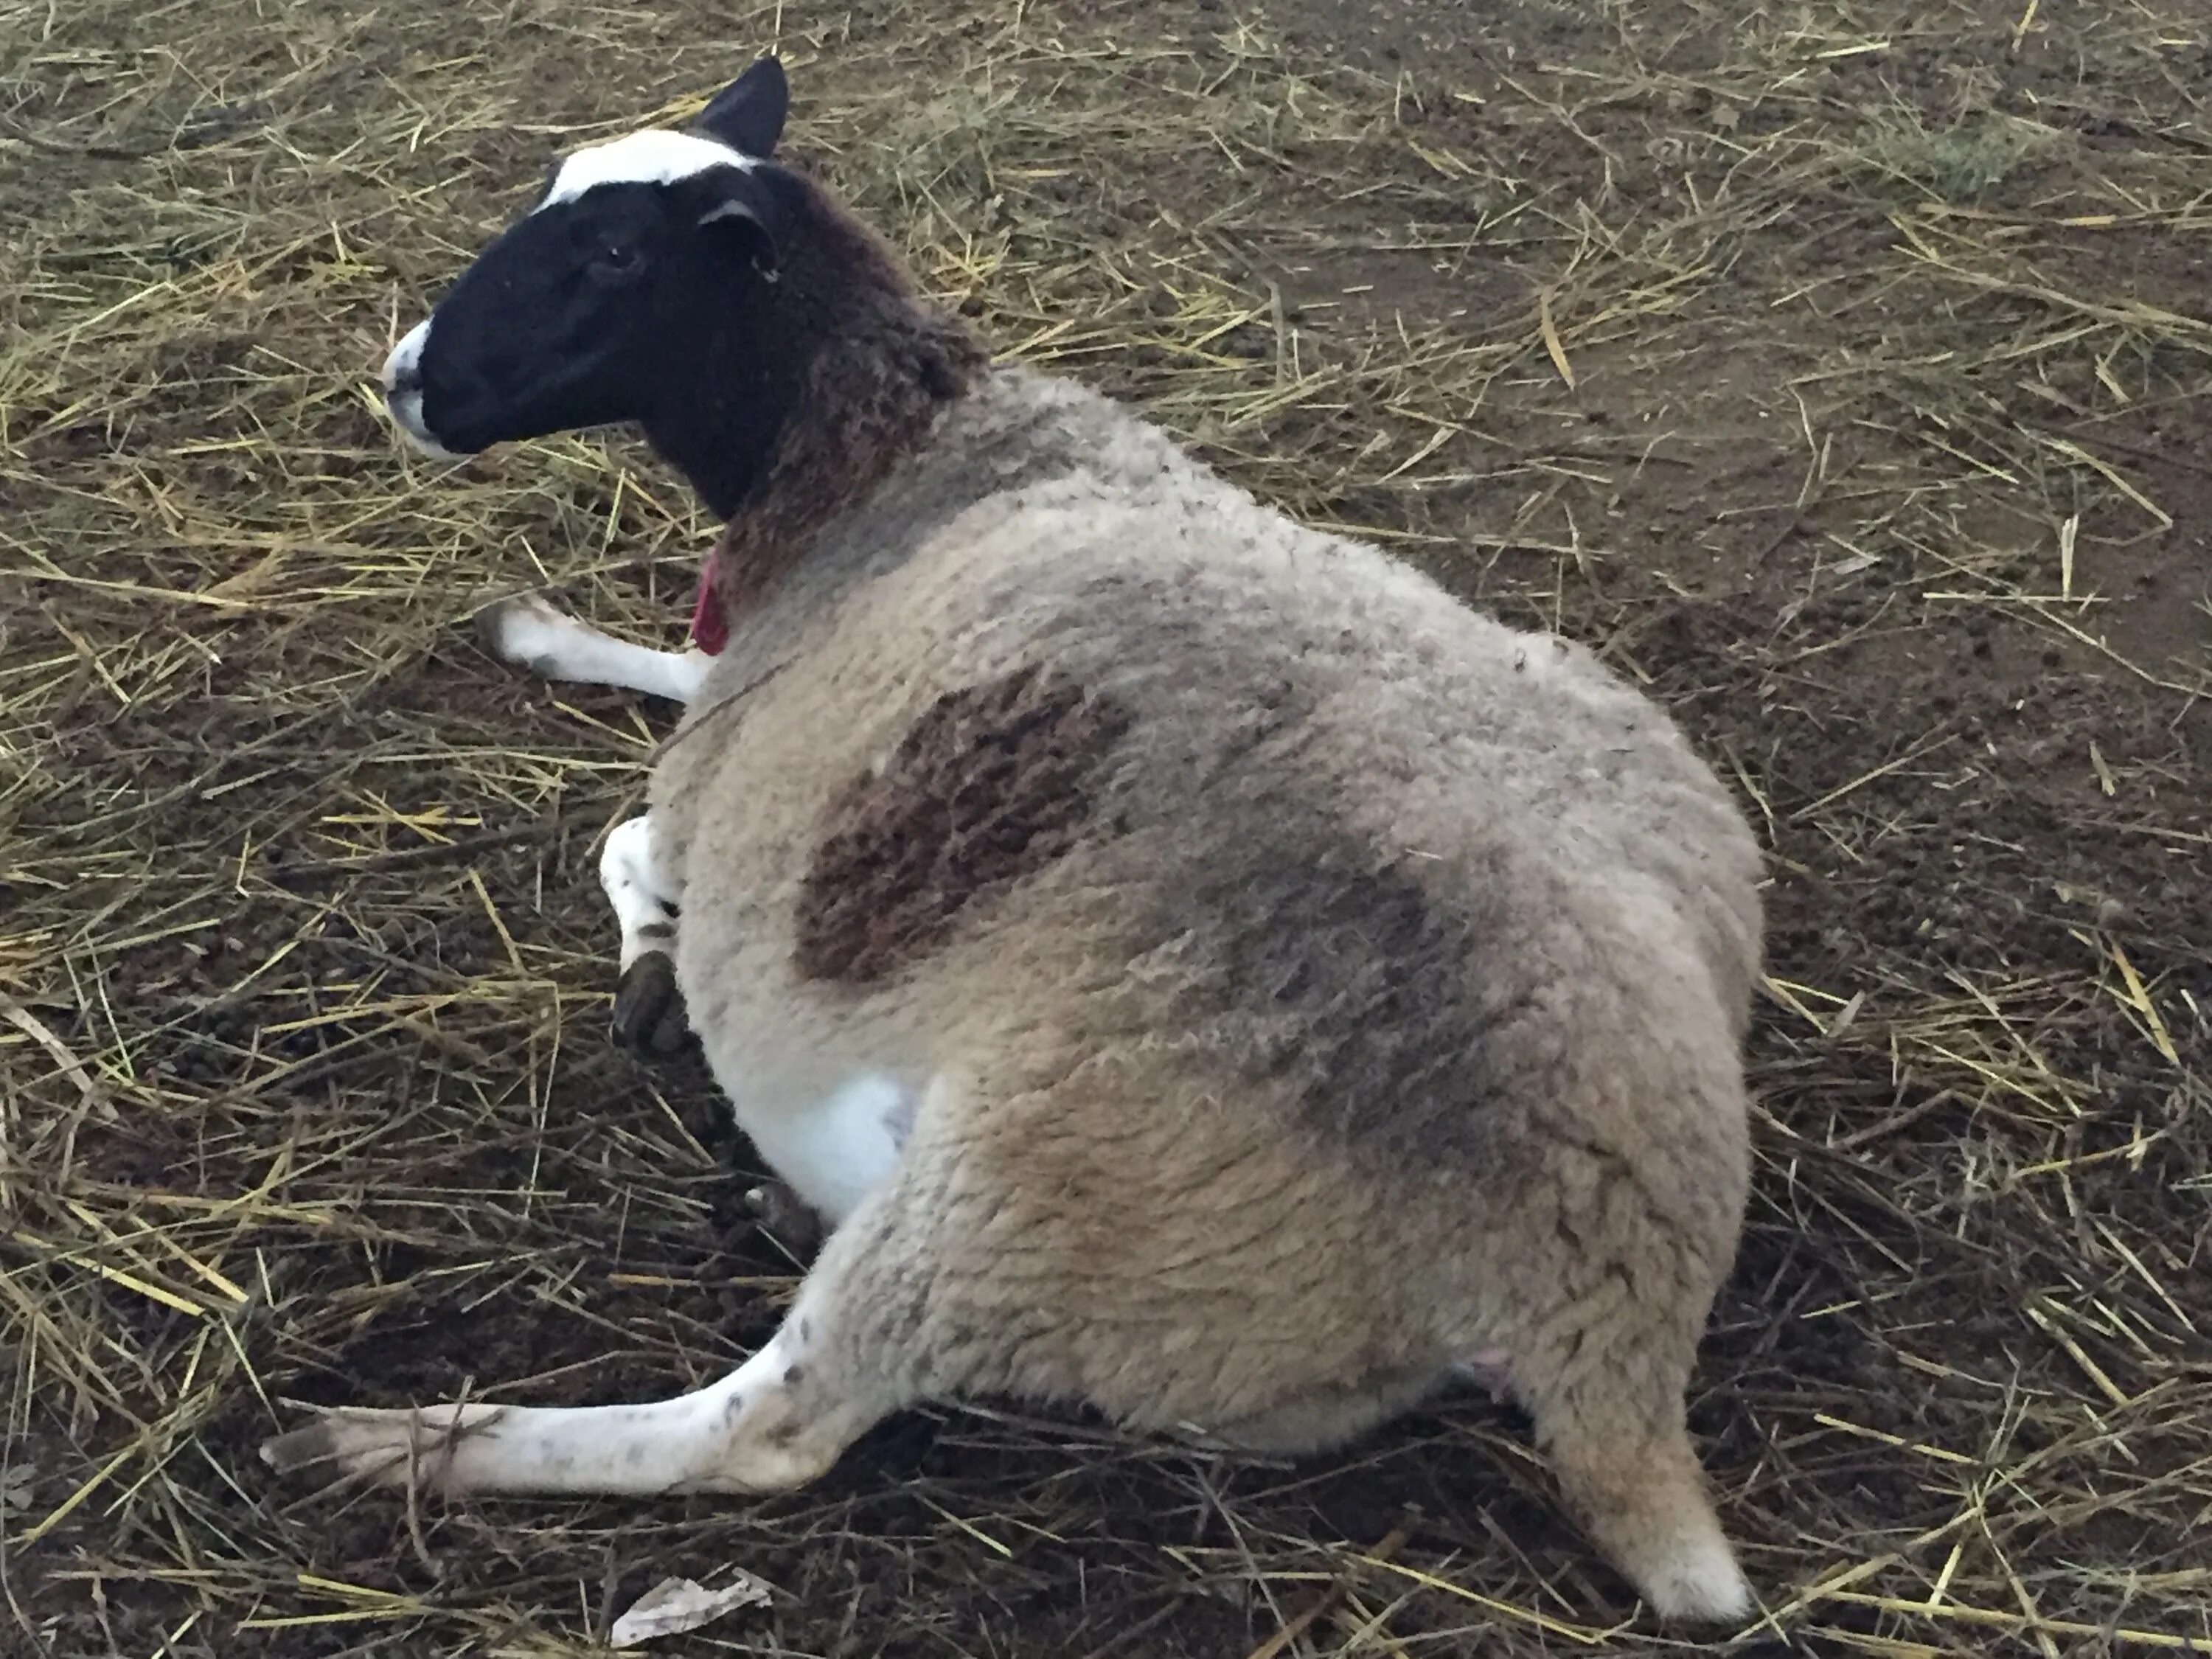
649,1014
786,1217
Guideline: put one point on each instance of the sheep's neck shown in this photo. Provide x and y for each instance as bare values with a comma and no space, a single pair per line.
870,402
861,367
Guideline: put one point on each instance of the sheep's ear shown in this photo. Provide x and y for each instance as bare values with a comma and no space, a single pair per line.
732,199
748,114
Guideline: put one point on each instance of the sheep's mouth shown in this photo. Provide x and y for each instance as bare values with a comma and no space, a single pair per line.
402,379
405,405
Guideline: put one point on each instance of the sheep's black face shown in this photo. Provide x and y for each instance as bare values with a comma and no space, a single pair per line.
588,311
578,315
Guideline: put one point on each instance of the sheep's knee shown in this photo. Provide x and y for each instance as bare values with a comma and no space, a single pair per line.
785,1416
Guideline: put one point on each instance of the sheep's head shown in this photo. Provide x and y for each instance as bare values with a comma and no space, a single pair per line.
587,311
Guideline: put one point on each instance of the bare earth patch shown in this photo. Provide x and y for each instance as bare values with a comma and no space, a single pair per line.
1842,370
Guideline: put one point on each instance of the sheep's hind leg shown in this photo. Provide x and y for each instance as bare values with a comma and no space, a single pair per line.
845,1357
526,632
778,1421
649,1011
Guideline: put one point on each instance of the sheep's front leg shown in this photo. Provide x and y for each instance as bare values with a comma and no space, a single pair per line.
778,1421
528,633
648,1013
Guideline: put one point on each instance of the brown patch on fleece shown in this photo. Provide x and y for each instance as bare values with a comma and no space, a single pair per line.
991,785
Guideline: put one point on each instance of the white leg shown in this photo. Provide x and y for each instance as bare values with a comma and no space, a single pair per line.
529,633
776,1422
638,884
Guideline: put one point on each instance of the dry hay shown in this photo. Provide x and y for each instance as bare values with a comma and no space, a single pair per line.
1840,368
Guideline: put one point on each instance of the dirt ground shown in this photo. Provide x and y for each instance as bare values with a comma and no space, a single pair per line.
1842,369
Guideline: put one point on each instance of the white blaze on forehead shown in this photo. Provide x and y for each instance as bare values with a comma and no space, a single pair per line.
653,157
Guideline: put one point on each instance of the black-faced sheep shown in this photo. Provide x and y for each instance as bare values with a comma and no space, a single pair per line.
1197,967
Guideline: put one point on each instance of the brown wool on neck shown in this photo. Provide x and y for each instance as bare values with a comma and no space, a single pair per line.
874,389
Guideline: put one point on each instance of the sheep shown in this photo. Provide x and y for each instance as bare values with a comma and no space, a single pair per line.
1193,965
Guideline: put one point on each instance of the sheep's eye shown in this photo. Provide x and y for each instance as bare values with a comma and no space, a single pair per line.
617,262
